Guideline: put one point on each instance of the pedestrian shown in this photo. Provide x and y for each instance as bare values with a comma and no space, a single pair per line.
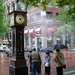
35,61
47,63
60,62
30,63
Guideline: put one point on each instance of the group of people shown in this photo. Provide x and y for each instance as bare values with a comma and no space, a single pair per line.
36,62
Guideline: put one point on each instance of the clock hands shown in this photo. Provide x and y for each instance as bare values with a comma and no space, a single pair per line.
21,19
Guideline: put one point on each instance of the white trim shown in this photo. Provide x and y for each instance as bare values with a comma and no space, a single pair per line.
37,29
31,30
25,31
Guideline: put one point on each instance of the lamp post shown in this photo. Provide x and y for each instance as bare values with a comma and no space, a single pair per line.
18,21
38,41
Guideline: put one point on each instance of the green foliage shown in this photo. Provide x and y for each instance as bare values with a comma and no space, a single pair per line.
36,3
3,26
63,29
69,3
64,15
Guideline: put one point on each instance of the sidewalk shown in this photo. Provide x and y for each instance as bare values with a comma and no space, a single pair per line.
69,71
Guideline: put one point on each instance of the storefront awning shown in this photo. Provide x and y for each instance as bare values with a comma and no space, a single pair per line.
51,29
31,30
37,29
25,31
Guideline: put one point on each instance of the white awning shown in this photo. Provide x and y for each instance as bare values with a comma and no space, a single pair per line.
31,30
25,31
37,29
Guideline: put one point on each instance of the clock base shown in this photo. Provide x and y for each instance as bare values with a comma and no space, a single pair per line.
18,70
18,67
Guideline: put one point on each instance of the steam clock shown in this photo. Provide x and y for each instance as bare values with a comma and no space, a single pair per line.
18,62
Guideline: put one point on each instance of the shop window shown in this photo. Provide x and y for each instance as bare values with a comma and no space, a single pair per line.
49,15
27,40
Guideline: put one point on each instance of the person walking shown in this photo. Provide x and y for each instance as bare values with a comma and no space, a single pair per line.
60,62
47,63
35,61
29,61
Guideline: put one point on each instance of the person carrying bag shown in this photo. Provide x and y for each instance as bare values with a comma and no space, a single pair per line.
47,64
60,61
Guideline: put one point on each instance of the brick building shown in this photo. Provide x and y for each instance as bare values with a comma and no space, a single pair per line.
40,28
40,25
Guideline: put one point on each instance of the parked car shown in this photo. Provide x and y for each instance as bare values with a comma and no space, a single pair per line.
3,47
27,49
9,52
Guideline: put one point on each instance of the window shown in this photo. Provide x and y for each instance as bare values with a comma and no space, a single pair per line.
49,15
32,18
57,15
38,16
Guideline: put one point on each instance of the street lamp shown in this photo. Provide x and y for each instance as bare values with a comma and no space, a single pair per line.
17,23
38,41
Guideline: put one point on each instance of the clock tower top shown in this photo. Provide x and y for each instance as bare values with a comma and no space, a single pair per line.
18,17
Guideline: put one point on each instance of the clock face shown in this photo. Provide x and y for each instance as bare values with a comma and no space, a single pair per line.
20,19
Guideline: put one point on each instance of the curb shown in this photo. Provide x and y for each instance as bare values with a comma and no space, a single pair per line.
69,72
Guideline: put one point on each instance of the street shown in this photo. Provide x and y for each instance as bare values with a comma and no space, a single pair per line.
4,64
5,61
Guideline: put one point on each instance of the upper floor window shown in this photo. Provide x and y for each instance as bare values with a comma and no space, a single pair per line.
57,15
32,18
38,16
49,15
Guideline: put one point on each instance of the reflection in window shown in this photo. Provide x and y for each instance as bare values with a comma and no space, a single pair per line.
49,15
38,16
32,18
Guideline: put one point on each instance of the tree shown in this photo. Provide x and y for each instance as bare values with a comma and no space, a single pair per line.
3,21
67,3
64,15
62,29
36,3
